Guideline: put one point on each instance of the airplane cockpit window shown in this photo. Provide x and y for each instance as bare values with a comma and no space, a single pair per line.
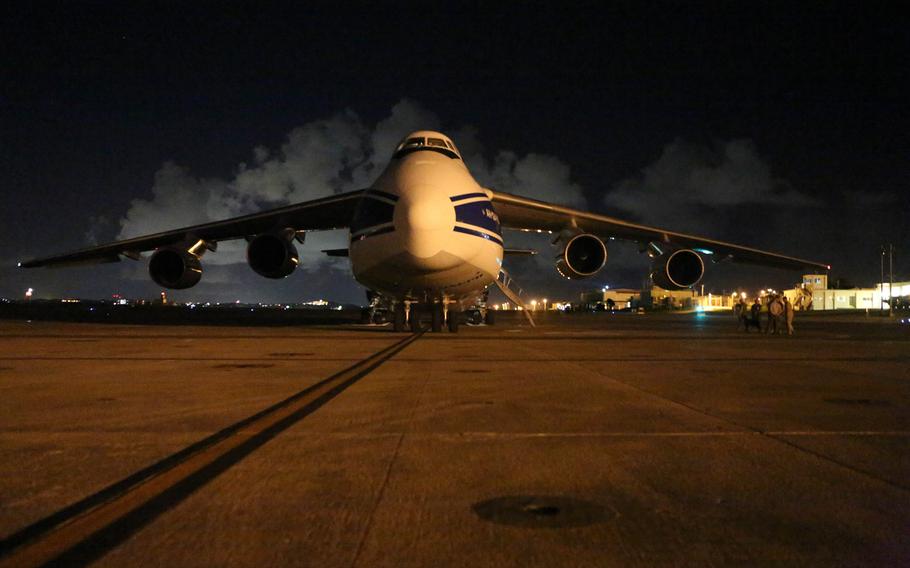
411,143
432,144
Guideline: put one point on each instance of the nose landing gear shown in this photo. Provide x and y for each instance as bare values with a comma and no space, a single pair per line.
398,320
437,317
410,317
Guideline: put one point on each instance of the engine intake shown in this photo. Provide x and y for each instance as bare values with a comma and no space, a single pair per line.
678,270
583,256
175,268
272,255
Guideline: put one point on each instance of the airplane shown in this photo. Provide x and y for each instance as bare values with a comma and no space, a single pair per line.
425,236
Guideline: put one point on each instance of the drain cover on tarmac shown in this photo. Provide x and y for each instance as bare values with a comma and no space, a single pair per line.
540,511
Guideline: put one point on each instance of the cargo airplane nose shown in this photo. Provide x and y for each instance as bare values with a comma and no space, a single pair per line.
424,218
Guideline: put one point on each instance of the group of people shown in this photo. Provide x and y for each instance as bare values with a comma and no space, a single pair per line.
775,312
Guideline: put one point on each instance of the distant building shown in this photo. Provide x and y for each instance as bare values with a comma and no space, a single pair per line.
858,298
810,294
622,297
815,281
657,297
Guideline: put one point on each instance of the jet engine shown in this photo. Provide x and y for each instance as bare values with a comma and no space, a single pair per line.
677,270
273,255
175,268
583,255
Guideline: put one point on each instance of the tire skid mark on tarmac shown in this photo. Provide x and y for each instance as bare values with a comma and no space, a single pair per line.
88,529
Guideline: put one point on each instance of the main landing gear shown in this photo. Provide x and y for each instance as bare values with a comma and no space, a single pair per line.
409,317
399,317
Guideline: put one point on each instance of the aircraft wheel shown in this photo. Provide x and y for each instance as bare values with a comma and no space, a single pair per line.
436,325
398,322
414,318
490,317
452,321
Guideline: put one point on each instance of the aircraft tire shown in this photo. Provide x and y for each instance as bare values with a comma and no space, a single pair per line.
490,317
414,319
398,322
437,313
452,321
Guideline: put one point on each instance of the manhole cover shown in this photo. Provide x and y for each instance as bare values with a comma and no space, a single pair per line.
857,401
540,511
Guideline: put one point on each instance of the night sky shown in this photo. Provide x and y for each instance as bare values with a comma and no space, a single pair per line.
774,127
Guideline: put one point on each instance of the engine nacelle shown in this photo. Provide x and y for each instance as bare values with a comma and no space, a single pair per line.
175,268
677,270
272,255
583,256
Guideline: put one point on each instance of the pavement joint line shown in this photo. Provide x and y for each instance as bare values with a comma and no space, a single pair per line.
765,433
388,472
505,435
379,497
693,434
650,360
86,530
781,439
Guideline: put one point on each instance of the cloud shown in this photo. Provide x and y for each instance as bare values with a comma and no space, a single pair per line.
534,175
687,180
331,155
98,226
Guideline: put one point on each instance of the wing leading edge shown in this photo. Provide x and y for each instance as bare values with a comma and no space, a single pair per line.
525,214
333,212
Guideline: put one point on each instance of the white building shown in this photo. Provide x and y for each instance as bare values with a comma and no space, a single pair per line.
851,299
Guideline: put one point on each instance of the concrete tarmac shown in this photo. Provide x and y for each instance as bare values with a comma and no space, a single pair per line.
591,440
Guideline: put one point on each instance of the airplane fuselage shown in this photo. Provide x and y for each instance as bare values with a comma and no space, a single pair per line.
426,231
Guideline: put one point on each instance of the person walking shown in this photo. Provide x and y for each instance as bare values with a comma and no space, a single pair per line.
775,311
755,312
789,313
741,311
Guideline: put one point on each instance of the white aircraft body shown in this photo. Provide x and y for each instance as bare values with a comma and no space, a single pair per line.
425,237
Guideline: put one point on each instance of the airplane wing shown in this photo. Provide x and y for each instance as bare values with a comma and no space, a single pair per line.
521,213
333,212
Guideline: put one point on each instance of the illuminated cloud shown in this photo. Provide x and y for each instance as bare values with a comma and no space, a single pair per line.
688,180
332,155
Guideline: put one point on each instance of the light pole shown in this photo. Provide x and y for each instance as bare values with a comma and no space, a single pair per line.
890,280
881,285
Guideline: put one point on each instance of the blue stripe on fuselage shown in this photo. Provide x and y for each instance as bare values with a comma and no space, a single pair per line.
480,214
467,196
